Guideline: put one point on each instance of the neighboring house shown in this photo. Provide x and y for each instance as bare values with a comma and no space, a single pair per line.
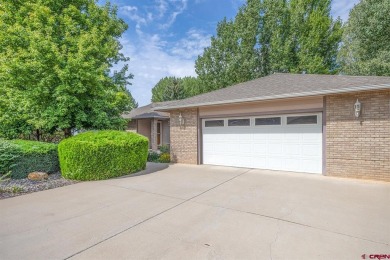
290,122
152,124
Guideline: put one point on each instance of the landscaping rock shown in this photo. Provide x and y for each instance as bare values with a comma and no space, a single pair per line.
24,186
38,176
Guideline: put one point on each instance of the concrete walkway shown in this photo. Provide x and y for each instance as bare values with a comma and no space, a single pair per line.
197,212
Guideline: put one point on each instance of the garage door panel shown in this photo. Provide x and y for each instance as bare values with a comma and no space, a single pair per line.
311,150
292,164
312,137
276,147
260,162
258,149
275,163
310,166
292,150
259,138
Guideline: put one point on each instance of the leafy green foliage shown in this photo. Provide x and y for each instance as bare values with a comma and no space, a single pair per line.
35,156
168,88
4,177
192,86
164,148
233,56
8,154
22,157
153,156
99,155
172,88
164,158
366,48
55,63
271,36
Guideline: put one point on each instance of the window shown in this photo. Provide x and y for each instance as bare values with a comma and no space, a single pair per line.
159,131
301,120
214,123
239,122
268,121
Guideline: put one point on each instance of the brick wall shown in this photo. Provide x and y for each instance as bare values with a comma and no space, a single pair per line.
153,134
184,139
132,125
358,148
144,128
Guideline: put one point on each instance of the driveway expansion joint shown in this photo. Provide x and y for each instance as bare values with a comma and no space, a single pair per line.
156,215
294,223
144,191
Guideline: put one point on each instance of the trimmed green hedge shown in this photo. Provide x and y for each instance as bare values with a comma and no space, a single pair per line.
8,154
99,155
28,156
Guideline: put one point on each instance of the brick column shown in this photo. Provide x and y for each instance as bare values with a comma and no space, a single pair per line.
184,139
153,134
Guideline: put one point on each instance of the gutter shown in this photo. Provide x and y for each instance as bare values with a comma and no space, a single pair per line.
280,96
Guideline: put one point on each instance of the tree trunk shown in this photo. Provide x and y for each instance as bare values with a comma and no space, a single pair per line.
38,135
67,132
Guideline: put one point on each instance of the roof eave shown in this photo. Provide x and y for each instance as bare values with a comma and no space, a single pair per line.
281,96
152,117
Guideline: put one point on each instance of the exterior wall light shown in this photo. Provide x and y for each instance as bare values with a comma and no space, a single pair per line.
358,108
181,120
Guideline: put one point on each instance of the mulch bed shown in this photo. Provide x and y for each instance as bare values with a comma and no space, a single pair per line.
16,187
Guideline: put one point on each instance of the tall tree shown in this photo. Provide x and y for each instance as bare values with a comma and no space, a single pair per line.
168,88
317,36
55,62
232,56
191,86
173,88
271,36
215,65
275,40
366,48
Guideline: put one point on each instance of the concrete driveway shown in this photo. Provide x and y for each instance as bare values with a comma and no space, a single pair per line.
197,212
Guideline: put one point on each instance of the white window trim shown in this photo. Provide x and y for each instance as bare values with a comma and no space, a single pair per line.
236,118
319,119
213,119
253,118
254,121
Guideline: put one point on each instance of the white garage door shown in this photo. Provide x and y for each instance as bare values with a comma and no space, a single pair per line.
285,142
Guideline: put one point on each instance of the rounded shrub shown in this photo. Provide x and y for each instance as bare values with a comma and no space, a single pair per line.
99,155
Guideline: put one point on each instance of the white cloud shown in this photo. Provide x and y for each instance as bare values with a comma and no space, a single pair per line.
133,14
162,7
191,46
179,6
163,12
151,61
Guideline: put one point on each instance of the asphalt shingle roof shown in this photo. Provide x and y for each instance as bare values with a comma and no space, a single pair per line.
281,85
147,112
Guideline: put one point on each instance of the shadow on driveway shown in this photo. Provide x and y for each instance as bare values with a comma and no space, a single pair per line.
150,168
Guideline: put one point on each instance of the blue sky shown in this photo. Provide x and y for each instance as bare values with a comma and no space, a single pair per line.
166,36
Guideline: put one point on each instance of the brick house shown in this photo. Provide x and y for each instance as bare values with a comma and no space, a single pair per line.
324,124
152,124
